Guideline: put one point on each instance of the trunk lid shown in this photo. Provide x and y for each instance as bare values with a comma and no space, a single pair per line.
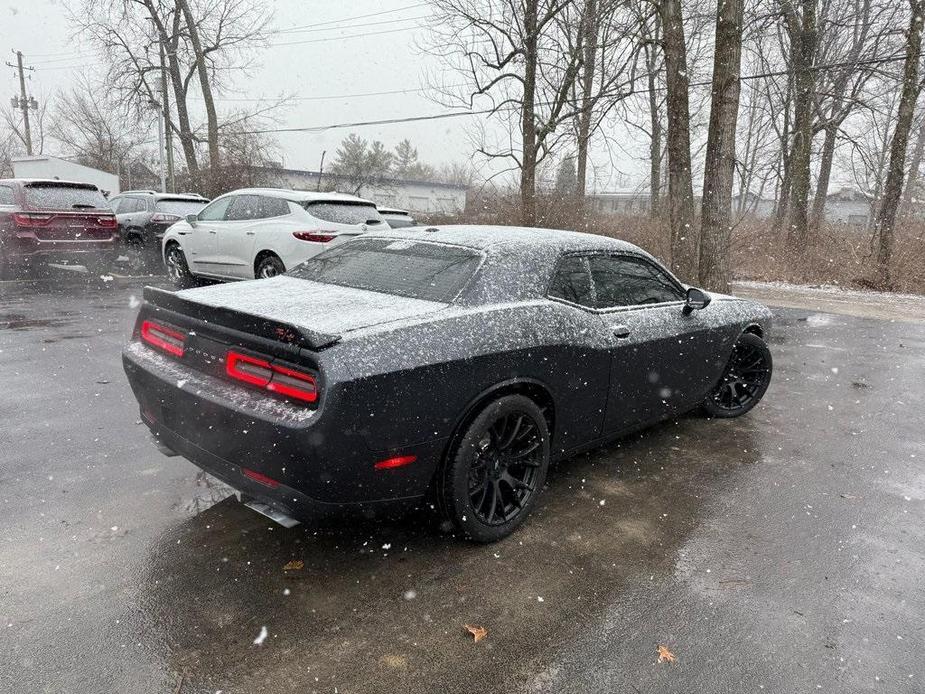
310,307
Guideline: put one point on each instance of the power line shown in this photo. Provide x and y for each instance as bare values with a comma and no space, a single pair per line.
458,114
348,19
331,97
352,26
340,38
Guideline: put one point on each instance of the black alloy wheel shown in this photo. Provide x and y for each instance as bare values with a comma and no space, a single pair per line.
744,381
498,469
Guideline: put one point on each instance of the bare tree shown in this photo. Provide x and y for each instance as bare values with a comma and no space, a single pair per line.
685,245
800,16
892,191
716,205
516,58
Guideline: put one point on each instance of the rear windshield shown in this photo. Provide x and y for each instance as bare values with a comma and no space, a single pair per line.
338,212
58,196
429,271
179,207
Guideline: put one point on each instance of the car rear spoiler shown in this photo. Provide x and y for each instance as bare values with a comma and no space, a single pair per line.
239,321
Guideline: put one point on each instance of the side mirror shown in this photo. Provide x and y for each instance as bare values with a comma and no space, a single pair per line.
696,300
192,219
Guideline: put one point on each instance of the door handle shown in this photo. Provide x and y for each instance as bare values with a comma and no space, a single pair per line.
211,232
621,331
248,233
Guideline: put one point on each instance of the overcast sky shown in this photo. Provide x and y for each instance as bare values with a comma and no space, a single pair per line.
332,64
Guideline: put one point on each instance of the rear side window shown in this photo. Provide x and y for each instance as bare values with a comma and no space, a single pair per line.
626,281
338,212
572,282
6,195
179,207
429,271
61,196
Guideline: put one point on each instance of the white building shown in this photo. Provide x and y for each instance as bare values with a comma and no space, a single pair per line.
421,198
43,166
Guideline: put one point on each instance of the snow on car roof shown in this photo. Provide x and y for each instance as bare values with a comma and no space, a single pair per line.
489,237
301,195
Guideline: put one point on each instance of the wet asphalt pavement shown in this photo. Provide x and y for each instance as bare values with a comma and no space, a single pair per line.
781,552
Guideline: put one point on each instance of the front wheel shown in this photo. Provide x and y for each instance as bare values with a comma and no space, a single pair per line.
495,474
744,381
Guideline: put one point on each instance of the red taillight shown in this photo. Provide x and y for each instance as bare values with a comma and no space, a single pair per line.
261,479
107,222
22,219
316,236
271,377
163,217
164,338
397,461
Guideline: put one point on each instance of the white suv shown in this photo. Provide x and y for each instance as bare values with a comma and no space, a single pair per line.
261,232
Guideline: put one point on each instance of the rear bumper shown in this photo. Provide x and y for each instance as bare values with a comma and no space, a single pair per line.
22,248
321,460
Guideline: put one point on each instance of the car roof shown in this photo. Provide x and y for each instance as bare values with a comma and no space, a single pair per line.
300,195
30,181
192,197
491,237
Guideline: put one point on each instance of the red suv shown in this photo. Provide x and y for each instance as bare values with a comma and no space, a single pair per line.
46,221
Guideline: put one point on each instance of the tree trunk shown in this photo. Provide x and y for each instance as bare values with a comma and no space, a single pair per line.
892,189
589,31
685,244
211,117
803,38
719,167
655,145
825,175
528,118
908,206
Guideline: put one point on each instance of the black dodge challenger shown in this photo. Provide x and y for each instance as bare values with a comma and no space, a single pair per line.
449,363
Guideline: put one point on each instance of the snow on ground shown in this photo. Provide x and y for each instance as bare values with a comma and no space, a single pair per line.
835,299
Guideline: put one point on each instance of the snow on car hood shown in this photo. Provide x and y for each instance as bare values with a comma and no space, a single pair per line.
325,308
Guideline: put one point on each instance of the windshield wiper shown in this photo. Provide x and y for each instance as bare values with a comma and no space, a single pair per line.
82,206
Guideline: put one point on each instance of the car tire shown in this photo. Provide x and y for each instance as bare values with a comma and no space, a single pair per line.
269,266
745,379
495,473
177,269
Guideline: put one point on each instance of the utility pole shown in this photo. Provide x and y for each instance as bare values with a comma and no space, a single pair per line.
165,111
321,169
23,102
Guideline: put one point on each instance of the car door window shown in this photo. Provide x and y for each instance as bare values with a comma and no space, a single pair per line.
572,282
6,195
131,205
244,208
217,211
628,281
272,207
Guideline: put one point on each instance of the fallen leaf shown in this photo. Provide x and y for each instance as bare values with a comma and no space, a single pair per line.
478,633
294,565
664,655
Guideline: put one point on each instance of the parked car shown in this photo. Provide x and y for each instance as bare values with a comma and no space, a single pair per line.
262,232
44,221
397,219
452,364
144,216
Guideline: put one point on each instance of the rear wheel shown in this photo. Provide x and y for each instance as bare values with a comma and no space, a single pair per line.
269,266
495,474
744,381
177,269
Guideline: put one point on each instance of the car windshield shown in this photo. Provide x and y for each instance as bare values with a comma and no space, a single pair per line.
430,271
341,212
179,207
60,196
